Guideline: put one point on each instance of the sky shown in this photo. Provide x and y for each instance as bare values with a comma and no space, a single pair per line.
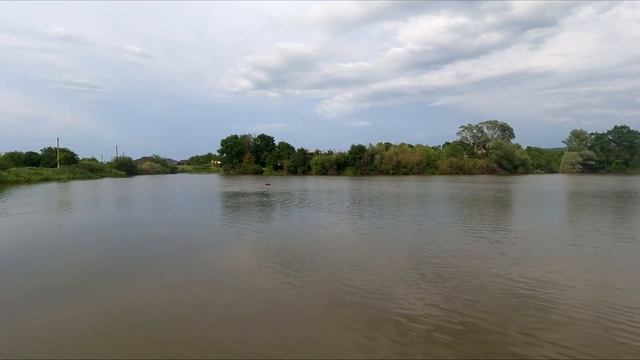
173,78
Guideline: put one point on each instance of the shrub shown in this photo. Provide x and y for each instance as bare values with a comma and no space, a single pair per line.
124,164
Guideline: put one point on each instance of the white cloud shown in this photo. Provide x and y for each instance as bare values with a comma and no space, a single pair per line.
561,63
445,56
135,51
358,123
81,84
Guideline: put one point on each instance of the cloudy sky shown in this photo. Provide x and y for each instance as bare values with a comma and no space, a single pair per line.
174,78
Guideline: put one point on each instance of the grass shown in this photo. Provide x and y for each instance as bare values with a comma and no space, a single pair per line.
82,171
30,175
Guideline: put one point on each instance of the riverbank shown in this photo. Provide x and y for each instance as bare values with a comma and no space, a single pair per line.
197,169
32,175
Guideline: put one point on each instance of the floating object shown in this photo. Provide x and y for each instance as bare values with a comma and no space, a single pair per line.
267,184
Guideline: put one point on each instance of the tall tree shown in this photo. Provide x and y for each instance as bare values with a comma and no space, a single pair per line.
264,150
482,134
577,141
234,150
49,156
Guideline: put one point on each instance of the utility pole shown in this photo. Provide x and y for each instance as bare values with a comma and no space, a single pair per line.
58,152
117,155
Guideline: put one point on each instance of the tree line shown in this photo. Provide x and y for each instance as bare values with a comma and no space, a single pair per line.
616,150
47,158
483,148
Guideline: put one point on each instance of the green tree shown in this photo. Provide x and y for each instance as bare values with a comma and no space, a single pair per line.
156,165
201,160
480,135
264,150
234,151
473,135
32,159
48,157
545,160
324,164
300,162
577,140
356,158
511,158
124,164
498,131
284,151
571,163
626,145
13,159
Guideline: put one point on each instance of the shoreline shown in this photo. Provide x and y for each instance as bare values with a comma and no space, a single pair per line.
68,175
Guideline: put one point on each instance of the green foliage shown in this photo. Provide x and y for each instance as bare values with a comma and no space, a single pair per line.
300,162
235,150
617,150
93,166
263,149
256,170
32,175
49,156
124,164
20,159
357,158
201,160
156,165
483,148
401,160
510,158
197,169
31,159
577,140
571,163
284,151
466,166
480,135
545,160
324,164
13,159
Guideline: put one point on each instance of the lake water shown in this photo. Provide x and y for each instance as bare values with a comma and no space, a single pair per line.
213,266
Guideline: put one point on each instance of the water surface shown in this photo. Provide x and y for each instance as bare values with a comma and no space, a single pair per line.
212,266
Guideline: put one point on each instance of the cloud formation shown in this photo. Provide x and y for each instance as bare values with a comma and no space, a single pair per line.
450,55
323,74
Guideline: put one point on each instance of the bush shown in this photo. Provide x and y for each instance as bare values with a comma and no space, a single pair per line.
49,157
510,158
256,170
124,164
92,165
150,168
156,165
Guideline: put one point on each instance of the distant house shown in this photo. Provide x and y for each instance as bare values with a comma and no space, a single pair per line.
183,162
215,163
144,159
171,161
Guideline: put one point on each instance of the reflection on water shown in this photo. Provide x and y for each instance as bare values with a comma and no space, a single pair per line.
209,266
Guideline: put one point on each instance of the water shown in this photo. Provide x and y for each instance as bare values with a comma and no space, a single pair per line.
212,266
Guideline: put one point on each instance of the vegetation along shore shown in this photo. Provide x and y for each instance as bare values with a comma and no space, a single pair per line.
483,148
